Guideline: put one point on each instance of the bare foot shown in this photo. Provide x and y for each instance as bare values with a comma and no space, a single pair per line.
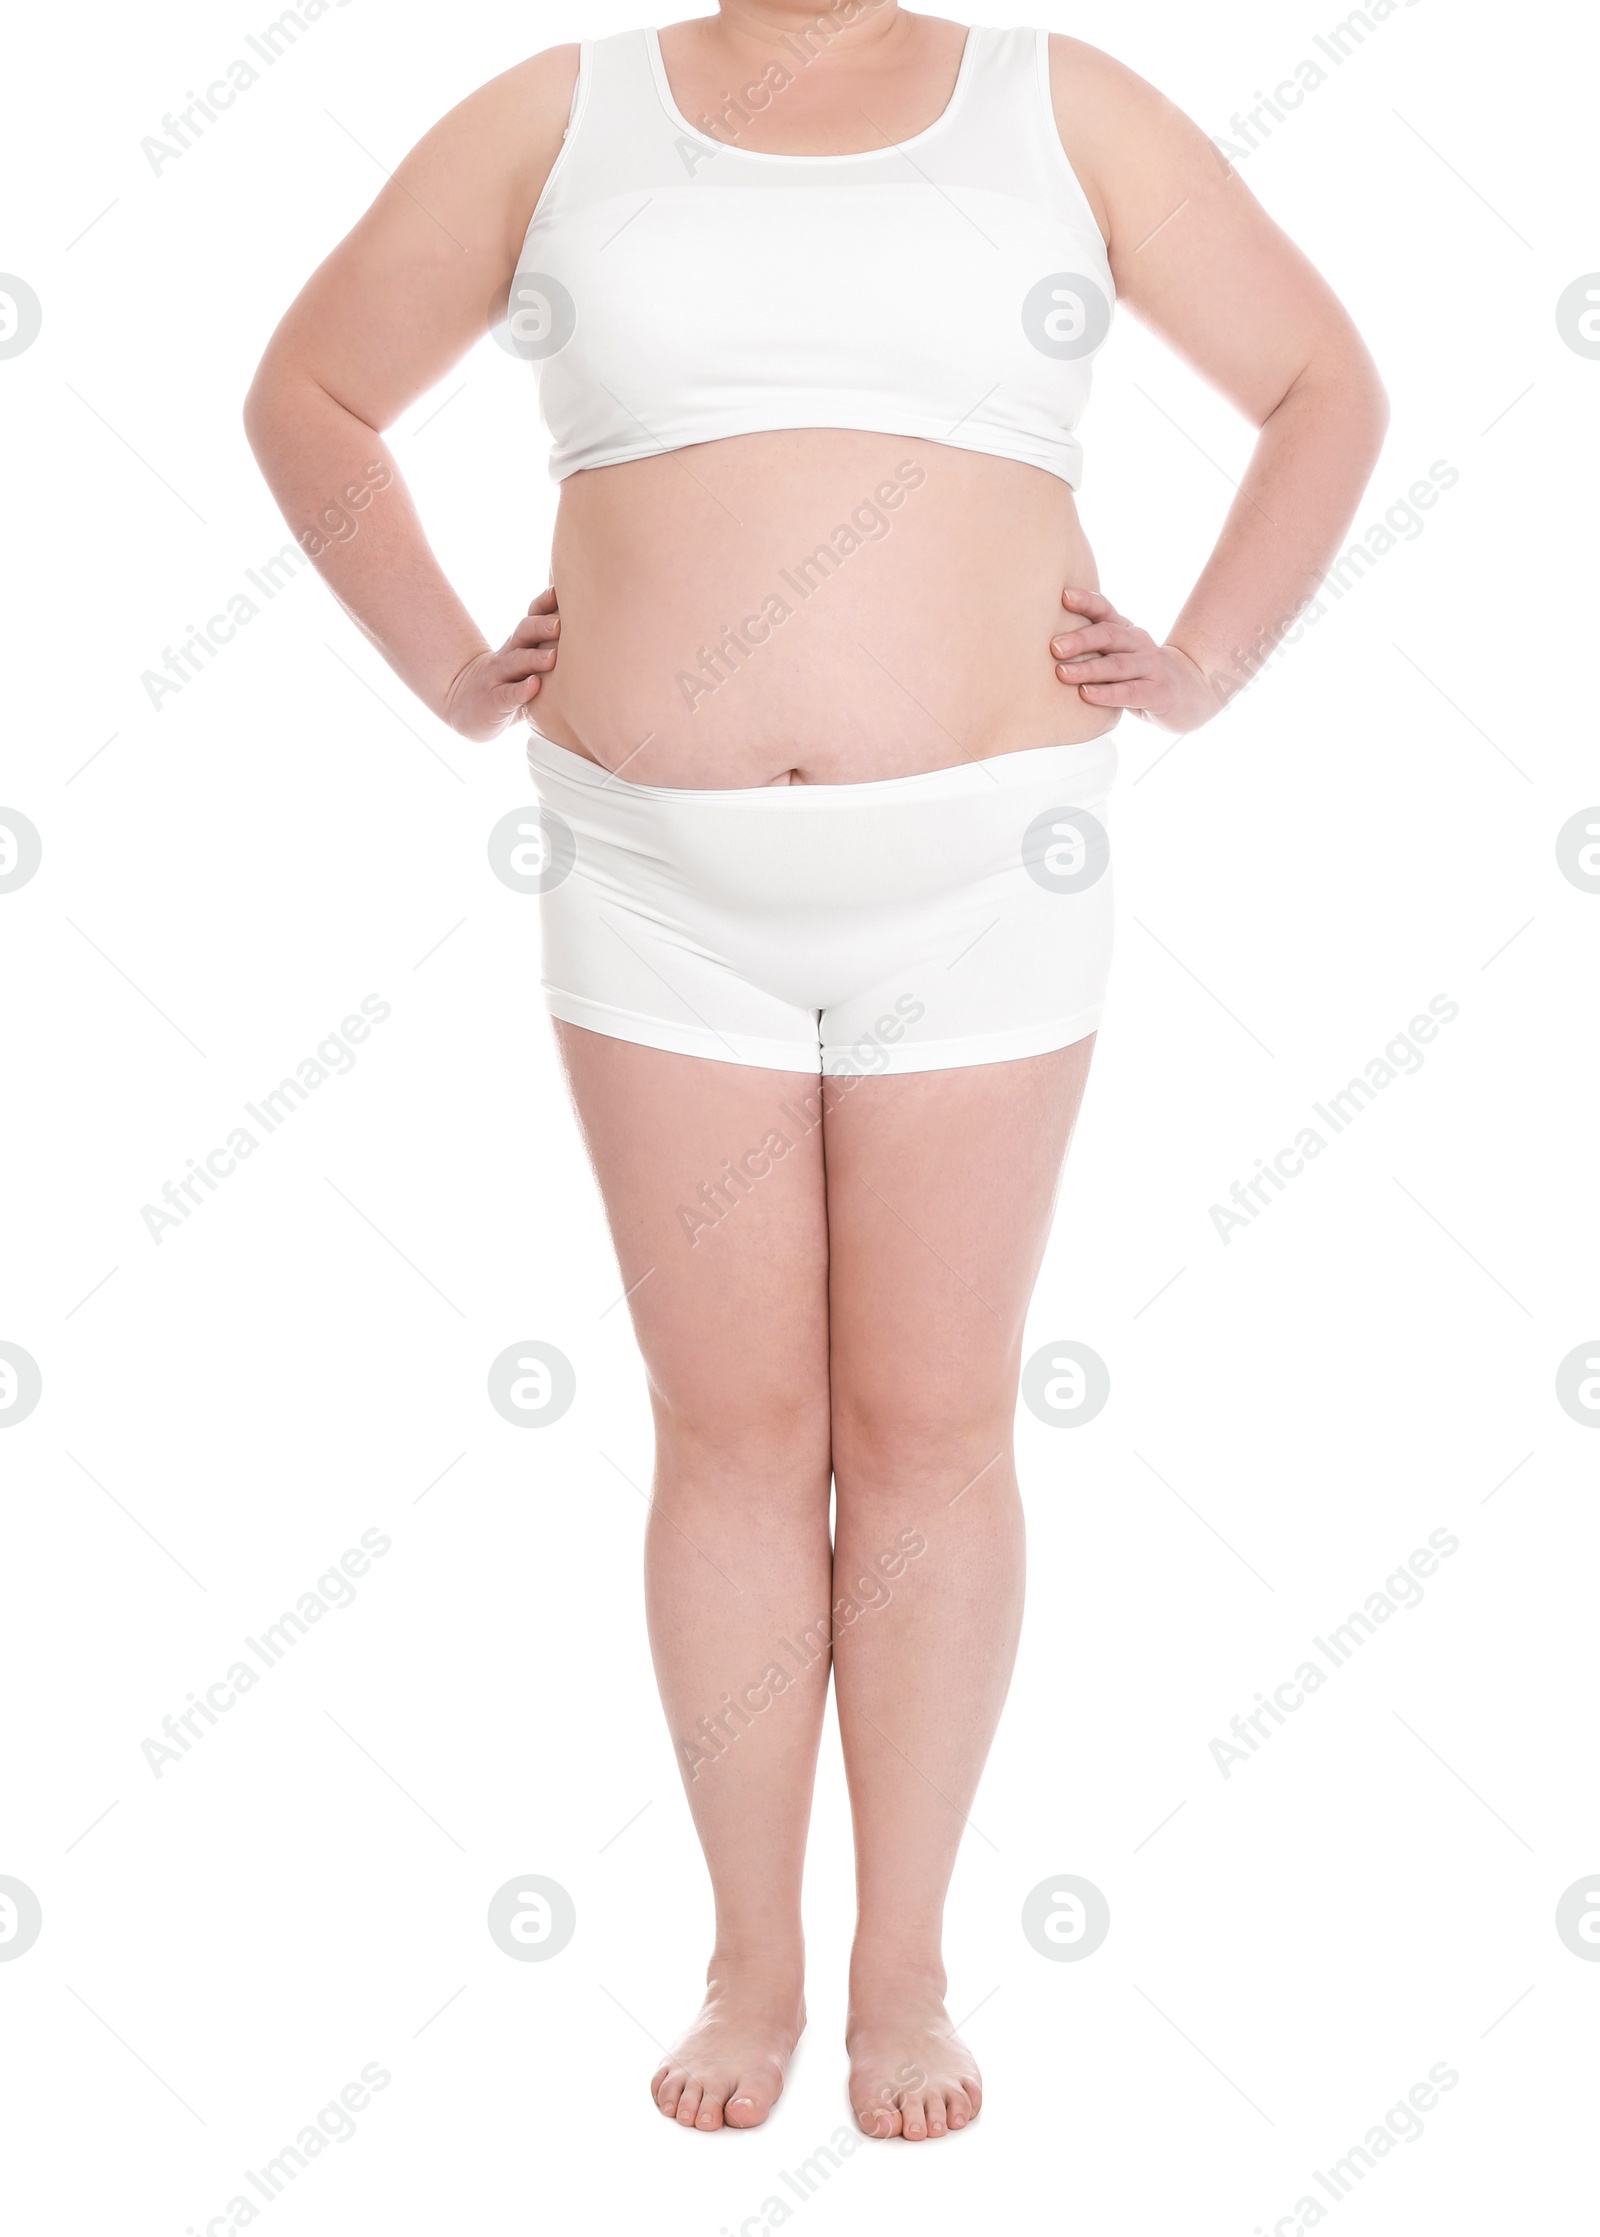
910,2073
729,2068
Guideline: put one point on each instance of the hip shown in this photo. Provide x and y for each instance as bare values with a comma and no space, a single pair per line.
844,853
962,914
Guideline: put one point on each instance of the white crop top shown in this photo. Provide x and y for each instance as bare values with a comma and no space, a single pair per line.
674,288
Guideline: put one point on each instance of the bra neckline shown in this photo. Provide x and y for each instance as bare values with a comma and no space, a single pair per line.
658,71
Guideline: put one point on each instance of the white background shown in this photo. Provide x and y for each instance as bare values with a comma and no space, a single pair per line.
1373,1359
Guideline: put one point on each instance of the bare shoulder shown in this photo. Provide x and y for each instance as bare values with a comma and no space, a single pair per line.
502,139
1191,249
536,91
1135,152
415,281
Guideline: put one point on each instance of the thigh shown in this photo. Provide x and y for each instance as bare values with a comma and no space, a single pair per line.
712,1177
940,1191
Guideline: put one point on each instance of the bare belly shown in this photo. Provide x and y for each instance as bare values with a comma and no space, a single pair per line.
816,606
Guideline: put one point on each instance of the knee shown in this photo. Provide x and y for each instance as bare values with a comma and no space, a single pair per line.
918,1440
743,1437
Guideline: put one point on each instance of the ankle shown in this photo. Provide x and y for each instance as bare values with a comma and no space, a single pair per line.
887,1969
767,1963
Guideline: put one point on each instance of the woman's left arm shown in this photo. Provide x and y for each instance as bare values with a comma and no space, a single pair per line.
1196,257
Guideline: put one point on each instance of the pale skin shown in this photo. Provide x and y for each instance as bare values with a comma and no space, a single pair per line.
859,1317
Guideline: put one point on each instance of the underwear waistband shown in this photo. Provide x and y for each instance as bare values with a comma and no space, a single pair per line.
965,779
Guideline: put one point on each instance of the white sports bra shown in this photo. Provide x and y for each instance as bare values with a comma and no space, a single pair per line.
674,288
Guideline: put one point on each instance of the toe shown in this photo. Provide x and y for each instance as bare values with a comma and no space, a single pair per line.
710,2113
938,2117
689,2103
666,2089
878,2119
913,2119
958,2107
744,2110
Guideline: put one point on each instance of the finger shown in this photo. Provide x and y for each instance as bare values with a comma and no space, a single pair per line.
1106,668
501,690
518,661
1090,602
507,698
545,603
1136,695
1101,636
535,630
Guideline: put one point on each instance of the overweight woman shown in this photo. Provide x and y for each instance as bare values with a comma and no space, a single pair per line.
811,303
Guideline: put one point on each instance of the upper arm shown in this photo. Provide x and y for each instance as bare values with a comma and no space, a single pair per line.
1192,251
424,273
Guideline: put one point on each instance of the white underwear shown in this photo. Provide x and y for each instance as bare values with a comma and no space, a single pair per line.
910,924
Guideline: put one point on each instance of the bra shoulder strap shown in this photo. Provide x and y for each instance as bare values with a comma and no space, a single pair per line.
1005,136
620,138
995,107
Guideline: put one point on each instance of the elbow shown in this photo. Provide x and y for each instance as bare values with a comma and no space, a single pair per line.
1367,417
1355,378
260,407
286,401
1343,388
1379,412
277,401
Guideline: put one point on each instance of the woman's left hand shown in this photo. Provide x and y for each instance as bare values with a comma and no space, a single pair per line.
1112,663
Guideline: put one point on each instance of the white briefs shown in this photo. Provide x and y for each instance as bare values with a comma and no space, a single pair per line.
909,924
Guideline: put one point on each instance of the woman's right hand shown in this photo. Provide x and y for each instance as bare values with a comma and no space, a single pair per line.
497,688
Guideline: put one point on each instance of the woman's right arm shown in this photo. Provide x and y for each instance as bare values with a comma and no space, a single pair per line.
398,302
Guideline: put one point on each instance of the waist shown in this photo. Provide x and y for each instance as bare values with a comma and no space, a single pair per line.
1081,771
776,854
815,606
